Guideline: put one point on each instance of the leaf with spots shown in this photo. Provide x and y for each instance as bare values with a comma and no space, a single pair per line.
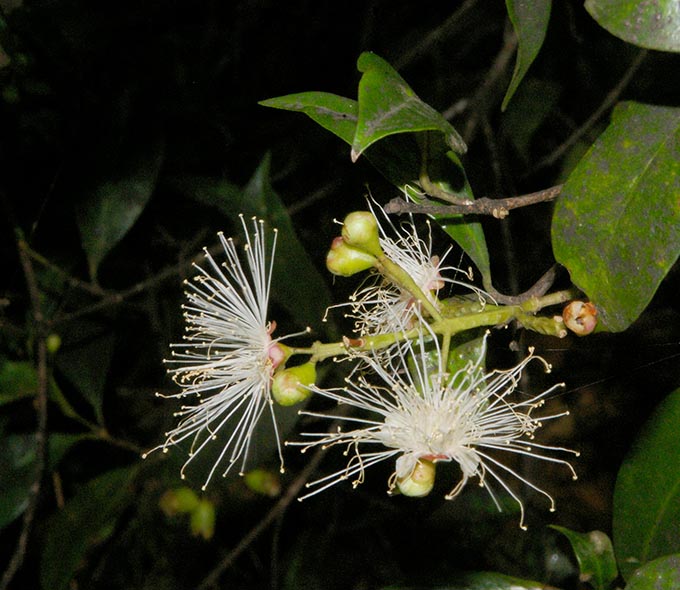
654,24
616,226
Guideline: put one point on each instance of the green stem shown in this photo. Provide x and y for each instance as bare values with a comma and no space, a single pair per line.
490,315
401,278
537,303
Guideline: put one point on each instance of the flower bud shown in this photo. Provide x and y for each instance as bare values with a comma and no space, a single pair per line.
178,500
202,520
53,343
580,317
421,480
345,261
360,230
263,482
289,386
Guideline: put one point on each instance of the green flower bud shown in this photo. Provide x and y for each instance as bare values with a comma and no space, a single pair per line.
421,480
289,385
203,520
345,261
360,230
178,500
263,482
53,343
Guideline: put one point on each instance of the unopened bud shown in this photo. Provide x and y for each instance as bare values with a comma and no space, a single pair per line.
53,343
360,230
290,386
345,261
178,500
202,520
421,480
580,317
263,482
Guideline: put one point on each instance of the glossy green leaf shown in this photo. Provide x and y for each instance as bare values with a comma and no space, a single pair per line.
661,574
86,520
388,105
116,203
468,234
595,556
655,25
647,493
530,20
616,225
335,113
398,158
18,379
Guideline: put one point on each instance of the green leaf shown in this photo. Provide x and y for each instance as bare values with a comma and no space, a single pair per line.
526,114
387,106
530,20
647,492
465,352
468,234
116,203
616,225
18,379
660,574
17,464
655,25
595,556
296,283
84,359
483,581
86,520
398,158
335,113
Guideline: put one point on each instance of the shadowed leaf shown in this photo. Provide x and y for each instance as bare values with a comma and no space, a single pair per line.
530,20
647,493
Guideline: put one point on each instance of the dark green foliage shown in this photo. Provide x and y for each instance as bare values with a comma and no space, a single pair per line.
132,134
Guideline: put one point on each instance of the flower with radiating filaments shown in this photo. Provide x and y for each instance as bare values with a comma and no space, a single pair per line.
382,307
422,417
228,355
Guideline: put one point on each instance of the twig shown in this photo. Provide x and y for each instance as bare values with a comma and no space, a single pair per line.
119,297
540,288
444,30
480,103
499,208
41,433
608,102
212,578
70,280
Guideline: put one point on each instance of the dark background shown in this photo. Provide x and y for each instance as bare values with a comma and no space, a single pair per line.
90,90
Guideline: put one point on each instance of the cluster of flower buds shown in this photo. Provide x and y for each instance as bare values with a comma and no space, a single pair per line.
358,248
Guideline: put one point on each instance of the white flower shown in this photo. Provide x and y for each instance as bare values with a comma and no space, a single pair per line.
435,417
383,307
228,356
